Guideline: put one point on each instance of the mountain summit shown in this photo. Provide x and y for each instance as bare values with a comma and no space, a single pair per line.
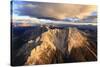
58,46
48,46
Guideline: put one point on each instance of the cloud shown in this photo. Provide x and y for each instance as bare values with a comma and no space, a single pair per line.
52,10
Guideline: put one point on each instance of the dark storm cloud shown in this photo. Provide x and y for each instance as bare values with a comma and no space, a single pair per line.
51,10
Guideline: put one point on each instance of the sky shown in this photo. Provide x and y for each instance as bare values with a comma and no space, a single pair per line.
55,11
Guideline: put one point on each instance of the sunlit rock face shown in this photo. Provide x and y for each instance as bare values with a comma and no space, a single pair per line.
80,46
50,49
